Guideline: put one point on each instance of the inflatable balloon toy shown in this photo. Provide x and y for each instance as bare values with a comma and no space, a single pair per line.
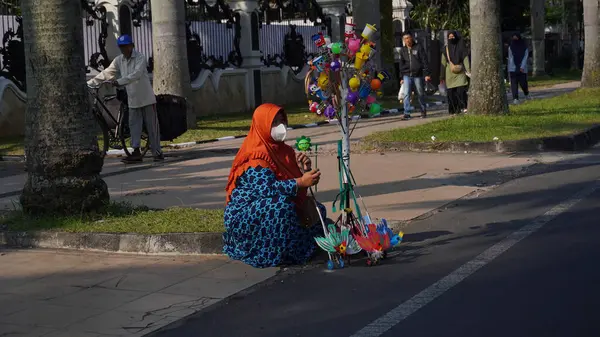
330,112
353,47
303,144
354,83
319,40
349,31
374,110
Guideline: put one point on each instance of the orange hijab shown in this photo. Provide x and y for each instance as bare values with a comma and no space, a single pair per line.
259,149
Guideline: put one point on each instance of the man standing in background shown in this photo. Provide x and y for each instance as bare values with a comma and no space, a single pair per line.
414,66
130,69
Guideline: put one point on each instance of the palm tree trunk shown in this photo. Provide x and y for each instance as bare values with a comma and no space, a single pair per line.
591,66
63,160
487,94
571,29
171,71
538,36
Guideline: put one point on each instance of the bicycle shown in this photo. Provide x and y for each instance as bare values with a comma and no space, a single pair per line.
115,130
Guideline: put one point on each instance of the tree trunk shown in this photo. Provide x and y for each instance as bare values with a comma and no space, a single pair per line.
171,71
487,94
63,160
571,24
591,58
538,36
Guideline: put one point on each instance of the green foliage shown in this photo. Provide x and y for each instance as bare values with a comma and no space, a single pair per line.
560,115
121,217
438,15
554,11
387,31
13,5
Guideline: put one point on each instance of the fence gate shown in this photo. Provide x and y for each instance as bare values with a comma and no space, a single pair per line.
286,28
95,32
12,51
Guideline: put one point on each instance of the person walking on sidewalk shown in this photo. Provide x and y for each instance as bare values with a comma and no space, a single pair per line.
414,65
455,67
518,53
130,70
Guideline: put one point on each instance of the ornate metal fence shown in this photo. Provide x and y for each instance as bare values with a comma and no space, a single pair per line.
286,30
95,32
141,17
12,51
213,34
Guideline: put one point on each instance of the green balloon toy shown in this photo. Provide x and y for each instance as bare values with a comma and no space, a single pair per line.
375,109
336,48
303,143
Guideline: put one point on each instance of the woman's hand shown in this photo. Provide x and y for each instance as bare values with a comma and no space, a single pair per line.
303,161
309,179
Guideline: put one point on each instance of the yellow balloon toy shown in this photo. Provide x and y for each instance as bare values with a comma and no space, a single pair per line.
354,83
365,49
360,60
323,81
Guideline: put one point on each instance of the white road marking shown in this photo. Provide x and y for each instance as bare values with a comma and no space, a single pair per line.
404,310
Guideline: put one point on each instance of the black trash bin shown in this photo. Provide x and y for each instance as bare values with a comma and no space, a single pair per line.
172,114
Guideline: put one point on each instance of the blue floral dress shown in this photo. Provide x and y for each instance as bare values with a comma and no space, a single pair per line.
261,223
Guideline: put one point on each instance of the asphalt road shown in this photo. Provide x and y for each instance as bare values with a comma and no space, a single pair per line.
520,260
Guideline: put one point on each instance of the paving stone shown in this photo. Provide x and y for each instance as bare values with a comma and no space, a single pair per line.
119,323
11,330
50,316
99,298
144,281
167,304
210,287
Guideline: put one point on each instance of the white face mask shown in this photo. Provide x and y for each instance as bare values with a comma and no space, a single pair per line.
279,132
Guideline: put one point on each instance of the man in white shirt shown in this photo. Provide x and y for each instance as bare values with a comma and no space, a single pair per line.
130,70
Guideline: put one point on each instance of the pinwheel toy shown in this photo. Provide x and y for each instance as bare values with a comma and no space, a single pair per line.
378,239
338,244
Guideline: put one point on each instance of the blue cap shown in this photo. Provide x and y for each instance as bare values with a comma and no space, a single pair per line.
124,40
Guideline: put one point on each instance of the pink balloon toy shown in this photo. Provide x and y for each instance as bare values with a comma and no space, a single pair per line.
370,99
353,45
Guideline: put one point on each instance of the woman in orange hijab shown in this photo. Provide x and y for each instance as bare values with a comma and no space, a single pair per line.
266,197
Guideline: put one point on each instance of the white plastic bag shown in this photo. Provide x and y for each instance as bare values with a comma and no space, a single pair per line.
442,89
401,93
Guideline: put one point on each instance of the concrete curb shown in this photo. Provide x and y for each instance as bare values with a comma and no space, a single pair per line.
164,244
171,243
12,158
576,142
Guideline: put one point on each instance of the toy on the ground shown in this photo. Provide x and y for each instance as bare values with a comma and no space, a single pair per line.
338,244
377,240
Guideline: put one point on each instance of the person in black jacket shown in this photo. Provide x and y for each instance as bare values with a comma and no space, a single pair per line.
414,65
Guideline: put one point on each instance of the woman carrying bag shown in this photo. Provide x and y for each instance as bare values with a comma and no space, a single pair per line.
455,73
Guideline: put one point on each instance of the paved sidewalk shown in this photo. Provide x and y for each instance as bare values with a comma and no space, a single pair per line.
84,294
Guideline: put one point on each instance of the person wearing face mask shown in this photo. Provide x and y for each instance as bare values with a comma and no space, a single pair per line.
455,67
269,218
